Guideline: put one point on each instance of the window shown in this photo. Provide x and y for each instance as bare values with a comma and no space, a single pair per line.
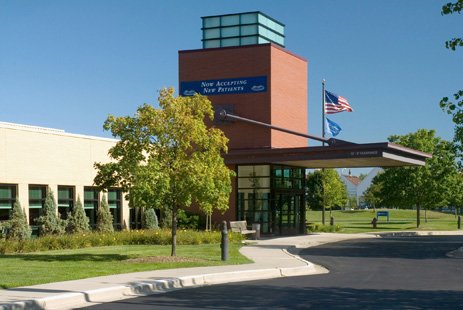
115,205
7,200
218,31
91,203
37,195
65,200
254,195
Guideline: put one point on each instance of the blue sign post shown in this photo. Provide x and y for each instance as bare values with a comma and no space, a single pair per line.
246,85
382,213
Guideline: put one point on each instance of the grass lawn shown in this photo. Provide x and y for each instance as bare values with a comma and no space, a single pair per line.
53,266
360,221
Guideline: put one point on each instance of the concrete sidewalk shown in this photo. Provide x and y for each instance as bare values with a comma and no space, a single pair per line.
270,256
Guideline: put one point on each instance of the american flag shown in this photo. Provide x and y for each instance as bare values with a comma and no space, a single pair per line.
335,103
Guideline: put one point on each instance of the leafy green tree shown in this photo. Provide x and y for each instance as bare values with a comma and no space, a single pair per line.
168,157
456,195
455,106
427,186
78,222
372,195
104,218
150,221
450,8
49,223
18,228
325,190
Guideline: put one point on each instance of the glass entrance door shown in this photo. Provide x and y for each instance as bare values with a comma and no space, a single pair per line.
287,208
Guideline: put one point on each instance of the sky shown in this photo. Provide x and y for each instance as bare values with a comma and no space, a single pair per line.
69,64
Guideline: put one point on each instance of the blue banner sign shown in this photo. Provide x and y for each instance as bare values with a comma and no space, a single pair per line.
256,84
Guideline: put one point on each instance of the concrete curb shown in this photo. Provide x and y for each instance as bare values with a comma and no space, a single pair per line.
143,288
416,233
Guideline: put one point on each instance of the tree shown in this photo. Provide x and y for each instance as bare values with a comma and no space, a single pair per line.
455,108
427,186
168,158
372,195
325,190
456,196
49,223
18,228
78,222
104,218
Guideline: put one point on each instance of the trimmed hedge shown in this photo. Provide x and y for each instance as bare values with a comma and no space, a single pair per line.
95,239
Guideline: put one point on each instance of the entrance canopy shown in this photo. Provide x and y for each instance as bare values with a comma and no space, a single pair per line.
342,155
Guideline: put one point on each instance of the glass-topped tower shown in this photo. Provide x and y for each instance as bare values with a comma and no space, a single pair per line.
241,29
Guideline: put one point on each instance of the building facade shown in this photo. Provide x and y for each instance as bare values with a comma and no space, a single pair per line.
35,160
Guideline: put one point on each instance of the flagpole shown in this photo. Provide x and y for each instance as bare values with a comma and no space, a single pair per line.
323,144
323,110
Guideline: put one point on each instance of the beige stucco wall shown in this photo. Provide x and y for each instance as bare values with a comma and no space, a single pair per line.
43,156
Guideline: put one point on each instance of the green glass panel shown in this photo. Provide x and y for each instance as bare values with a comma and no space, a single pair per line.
64,205
263,41
89,205
230,20
5,193
35,205
35,193
230,42
64,194
212,33
5,205
248,30
231,32
112,195
249,40
211,22
89,195
211,43
249,18
112,205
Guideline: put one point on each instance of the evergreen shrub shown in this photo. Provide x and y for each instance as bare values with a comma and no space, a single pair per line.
150,221
78,222
49,223
104,218
17,227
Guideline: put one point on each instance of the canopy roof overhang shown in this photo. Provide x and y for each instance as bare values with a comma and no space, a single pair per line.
342,155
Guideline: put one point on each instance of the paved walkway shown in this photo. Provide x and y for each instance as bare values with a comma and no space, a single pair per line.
271,260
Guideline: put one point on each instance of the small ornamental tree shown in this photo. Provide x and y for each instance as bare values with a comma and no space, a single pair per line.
78,221
19,229
49,223
325,190
168,157
150,221
104,218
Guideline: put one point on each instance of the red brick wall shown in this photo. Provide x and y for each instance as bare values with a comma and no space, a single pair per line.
207,64
284,104
288,98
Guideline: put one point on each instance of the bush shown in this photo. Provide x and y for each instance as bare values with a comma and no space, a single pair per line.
312,227
94,239
49,223
187,220
104,218
17,227
150,221
77,220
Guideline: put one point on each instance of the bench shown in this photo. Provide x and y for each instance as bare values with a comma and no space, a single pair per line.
241,227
